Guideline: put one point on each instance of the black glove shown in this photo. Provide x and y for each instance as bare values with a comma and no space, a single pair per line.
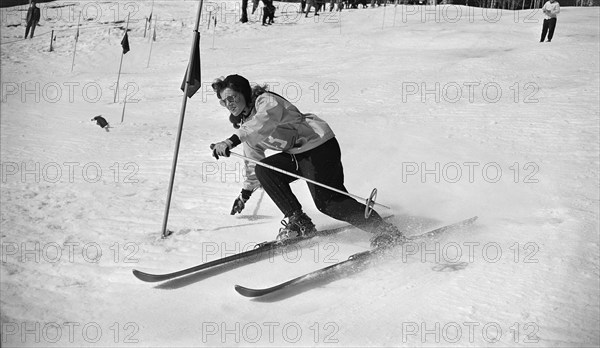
221,149
240,203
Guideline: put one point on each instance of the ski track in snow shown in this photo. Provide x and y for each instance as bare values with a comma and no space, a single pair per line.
81,208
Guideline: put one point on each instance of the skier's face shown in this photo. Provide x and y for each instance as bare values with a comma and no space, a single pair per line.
233,101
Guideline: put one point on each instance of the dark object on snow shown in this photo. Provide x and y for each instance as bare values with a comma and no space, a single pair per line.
101,121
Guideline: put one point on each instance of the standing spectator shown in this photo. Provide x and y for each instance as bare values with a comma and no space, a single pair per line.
309,4
254,5
268,12
244,18
551,8
339,5
33,17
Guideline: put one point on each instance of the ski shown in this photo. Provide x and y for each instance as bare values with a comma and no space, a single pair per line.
353,261
260,248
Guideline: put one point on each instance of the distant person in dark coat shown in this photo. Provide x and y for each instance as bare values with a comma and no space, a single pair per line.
268,12
33,17
339,5
309,4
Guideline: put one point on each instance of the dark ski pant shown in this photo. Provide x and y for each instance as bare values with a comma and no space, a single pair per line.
548,28
267,17
321,164
268,12
30,26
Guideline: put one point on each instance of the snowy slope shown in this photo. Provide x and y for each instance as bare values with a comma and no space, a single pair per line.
449,112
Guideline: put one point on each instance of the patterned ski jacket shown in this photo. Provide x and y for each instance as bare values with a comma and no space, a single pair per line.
276,124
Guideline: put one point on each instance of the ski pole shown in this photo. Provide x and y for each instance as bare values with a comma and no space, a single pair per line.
369,202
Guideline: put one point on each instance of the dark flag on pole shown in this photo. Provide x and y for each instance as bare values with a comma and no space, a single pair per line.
194,83
125,43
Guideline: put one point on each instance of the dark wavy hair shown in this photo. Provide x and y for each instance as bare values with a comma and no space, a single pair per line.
239,84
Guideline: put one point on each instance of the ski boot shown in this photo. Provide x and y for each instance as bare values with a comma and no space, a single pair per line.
387,235
299,225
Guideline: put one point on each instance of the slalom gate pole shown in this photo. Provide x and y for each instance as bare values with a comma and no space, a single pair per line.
165,232
369,202
151,42
76,40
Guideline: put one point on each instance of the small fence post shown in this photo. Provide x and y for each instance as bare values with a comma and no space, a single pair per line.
51,39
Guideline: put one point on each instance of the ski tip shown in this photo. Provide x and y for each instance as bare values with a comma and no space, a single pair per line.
247,292
138,274
145,276
243,290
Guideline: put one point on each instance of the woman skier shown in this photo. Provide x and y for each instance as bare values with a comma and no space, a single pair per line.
305,146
